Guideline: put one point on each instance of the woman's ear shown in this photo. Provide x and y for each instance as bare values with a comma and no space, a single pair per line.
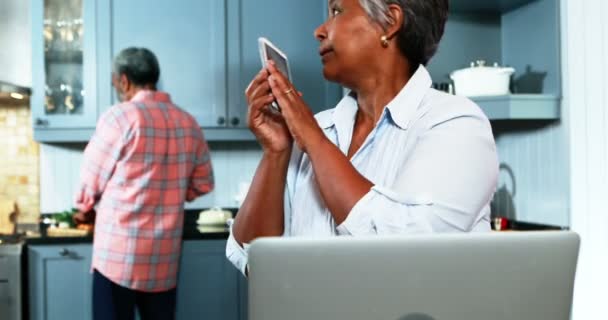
395,20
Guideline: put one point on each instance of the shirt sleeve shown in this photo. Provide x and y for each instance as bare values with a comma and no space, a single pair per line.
201,179
444,186
99,161
239,255
236,254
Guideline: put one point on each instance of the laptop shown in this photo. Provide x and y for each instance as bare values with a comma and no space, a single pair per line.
483,276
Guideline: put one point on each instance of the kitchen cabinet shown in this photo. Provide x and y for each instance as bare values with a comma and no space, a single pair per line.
189,40
488,6
291,28
60,282
207,52
209,286
243,297
523,34
10,281
64,62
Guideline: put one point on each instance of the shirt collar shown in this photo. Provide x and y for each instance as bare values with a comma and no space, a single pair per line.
147,95
407,101
401,108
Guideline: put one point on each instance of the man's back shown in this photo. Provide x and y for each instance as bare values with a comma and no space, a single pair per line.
146,158
161,143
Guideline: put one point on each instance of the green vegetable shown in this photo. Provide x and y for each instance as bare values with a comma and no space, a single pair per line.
66,216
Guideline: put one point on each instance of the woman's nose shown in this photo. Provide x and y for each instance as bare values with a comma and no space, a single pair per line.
320,33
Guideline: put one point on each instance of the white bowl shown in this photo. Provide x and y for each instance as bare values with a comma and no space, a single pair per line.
214,217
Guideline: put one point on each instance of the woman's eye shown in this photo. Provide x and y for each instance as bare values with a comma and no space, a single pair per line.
335,12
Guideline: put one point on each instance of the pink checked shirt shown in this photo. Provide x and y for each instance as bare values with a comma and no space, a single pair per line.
146,158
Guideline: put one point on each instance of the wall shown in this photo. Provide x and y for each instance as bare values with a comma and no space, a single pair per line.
15,40
467,38
536,153
585,48
233,163
19,160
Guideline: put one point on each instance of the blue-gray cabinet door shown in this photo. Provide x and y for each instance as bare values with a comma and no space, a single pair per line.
189,40
207,285
290,25
244,297
64,64
60,282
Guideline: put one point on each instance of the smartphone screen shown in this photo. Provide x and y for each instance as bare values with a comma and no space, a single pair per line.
279,61
269,52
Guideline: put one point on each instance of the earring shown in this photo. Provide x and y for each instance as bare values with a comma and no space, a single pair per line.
384,41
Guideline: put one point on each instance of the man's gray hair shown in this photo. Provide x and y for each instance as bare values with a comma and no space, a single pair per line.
138,64
423,25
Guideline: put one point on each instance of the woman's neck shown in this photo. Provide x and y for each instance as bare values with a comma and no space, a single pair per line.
376,92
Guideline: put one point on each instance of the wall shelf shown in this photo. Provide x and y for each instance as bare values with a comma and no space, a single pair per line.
520,107
69,135
66,56
486,6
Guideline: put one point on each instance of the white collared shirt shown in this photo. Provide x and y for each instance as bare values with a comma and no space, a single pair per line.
432,160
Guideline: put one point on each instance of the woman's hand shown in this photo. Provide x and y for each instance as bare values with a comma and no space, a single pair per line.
299,118
268,127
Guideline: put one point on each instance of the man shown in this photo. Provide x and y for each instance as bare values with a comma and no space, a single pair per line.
146,158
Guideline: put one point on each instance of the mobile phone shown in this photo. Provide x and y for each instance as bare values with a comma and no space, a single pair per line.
268,51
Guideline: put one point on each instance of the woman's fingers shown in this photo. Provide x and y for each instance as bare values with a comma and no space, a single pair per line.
281,87
261,102
260,78
262,89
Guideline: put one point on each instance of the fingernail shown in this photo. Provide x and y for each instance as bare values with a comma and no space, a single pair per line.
271,62
271,79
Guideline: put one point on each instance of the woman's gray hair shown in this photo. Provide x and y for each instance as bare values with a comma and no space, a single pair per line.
423,25
138,64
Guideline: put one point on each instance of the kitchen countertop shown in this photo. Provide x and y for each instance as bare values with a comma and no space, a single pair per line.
191,232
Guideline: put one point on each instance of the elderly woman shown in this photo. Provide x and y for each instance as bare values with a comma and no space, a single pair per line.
393,157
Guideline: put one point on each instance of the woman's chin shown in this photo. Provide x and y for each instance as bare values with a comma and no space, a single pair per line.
330,75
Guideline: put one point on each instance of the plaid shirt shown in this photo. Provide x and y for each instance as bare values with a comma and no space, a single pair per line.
146,158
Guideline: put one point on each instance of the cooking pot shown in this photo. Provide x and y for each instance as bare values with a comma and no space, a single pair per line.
482,80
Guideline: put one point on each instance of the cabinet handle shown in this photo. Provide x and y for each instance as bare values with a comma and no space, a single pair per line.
221,120
64,252
41,122
235,121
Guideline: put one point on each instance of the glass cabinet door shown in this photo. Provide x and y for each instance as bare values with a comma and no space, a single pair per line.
63,51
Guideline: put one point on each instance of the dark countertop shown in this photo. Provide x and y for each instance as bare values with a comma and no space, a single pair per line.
191,232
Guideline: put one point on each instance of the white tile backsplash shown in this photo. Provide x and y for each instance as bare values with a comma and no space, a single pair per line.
233,163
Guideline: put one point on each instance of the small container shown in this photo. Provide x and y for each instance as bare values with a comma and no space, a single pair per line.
481,80
500,224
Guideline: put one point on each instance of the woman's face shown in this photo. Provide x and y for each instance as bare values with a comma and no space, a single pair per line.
349,42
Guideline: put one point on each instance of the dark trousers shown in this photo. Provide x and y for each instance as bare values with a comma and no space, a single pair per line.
113,302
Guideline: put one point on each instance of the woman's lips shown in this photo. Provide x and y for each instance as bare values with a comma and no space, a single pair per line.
324,53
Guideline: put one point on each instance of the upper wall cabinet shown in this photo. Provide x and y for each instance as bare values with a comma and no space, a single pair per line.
64,64
207,52
487,6
523,34
189,40
290,25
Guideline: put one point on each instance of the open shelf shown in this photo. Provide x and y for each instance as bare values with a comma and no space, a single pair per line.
486,6
520,107
67,56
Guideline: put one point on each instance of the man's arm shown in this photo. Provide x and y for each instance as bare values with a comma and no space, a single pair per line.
201,179
99,162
